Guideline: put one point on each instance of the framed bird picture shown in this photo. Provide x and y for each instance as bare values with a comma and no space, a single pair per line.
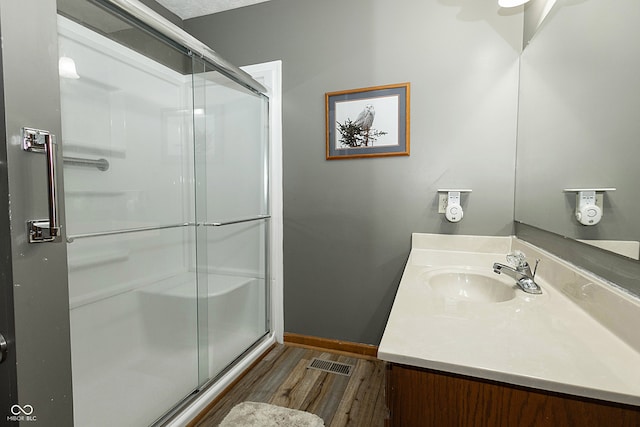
368,122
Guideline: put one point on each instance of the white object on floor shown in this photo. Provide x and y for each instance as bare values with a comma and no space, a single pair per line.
253,414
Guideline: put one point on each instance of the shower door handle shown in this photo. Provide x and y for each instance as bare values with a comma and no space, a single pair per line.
42,141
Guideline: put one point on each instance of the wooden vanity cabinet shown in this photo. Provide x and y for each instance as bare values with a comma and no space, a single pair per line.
419,397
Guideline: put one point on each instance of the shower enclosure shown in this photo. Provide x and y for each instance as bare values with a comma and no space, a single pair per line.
136,186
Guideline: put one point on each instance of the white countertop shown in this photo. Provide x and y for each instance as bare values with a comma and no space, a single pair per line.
541,341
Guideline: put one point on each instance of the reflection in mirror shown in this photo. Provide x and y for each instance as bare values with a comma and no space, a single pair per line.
579,124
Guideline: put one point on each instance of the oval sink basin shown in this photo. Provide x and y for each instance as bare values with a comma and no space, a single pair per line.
473,287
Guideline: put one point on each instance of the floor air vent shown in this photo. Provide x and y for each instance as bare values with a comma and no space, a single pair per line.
332,367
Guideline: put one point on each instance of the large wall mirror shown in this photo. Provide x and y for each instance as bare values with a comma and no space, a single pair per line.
579,122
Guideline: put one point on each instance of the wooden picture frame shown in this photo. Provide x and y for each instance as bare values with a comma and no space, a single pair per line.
368,122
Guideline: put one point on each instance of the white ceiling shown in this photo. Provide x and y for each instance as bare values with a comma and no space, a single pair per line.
186,9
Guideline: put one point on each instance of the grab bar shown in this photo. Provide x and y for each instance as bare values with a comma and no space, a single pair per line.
237,221
100,164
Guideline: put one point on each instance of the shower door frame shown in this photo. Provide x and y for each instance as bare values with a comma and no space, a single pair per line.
34,277
270,75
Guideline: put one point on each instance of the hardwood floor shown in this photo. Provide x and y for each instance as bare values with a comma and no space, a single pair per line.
282,378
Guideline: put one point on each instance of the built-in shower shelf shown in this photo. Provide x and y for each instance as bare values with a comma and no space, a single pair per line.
79,298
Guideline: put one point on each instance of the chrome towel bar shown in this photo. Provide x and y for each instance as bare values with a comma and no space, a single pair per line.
72,238
237,221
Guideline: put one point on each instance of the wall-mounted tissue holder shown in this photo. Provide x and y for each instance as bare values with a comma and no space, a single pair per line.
589,202
449,204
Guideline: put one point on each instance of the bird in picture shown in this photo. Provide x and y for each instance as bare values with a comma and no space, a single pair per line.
365,121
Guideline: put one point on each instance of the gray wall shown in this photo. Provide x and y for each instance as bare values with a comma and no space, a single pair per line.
40,346
8,372
348,223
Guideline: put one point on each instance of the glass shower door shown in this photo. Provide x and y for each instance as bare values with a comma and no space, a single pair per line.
166,178
127,130
231,164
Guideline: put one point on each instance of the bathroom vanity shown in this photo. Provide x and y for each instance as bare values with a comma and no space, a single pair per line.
467,347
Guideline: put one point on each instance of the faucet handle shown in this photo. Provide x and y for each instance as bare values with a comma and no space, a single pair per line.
535,268
517,259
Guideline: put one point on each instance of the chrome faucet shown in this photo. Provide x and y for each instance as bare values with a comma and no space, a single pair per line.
521,272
